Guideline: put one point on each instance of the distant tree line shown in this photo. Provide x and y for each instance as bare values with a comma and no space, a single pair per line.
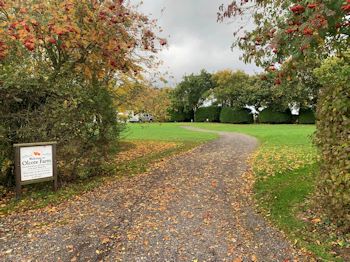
239,93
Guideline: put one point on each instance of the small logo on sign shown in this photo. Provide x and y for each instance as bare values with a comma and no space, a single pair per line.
36,153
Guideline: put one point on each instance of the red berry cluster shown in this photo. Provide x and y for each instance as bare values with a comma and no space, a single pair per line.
297,9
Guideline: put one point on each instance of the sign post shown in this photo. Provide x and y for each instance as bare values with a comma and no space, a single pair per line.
35,163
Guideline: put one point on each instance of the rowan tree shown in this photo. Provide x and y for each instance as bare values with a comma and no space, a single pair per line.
291,33
95,38
60,61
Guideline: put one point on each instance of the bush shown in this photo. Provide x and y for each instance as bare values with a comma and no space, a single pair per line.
332,138
180,116
269,116
306,116
211,113
240,116
80,116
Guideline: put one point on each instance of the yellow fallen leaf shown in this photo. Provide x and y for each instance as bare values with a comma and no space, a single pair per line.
316,220
105,240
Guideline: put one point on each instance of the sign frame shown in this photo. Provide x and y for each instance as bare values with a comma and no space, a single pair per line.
19,182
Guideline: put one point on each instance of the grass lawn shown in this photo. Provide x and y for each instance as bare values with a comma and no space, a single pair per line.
285,167
164,132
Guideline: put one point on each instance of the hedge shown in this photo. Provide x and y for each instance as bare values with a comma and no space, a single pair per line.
306,116
80,116
180,116
238,116
295,119
269,116
332,138
211,113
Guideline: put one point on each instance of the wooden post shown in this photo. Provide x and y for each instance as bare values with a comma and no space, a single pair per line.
18,173
55,184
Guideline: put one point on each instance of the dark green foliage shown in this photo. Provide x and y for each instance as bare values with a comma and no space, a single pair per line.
295,119
332,138
269,116
306,116
79,115
211,113
239,116
190,93
180,116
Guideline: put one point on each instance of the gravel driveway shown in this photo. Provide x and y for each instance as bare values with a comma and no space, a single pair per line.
196,206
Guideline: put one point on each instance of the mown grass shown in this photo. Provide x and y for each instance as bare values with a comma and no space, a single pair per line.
164,132
285,167
296,135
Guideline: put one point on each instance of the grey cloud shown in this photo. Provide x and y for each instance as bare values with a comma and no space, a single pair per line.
196,40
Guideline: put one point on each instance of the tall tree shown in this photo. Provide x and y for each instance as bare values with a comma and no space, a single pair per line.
229,88
191,92
140,97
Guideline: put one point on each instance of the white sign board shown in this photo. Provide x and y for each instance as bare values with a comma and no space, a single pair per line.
36,162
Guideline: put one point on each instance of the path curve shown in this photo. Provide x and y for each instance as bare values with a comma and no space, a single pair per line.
196,206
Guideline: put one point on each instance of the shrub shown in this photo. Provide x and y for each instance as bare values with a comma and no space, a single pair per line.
239,116
81,117
332,138
306,116
275,117
210,113
180,116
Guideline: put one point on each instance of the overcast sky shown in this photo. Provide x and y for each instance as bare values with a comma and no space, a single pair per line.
195,39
